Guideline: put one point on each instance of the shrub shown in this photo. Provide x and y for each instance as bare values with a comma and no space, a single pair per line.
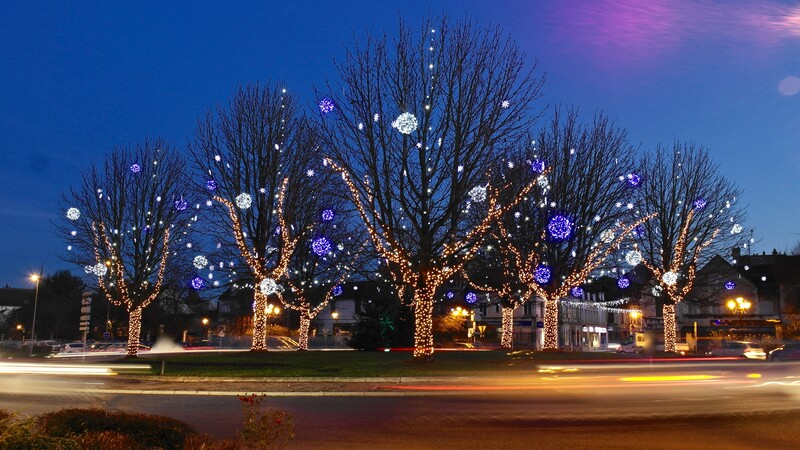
264,429
144,430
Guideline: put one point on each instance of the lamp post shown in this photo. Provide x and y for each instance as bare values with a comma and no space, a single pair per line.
635,315
35,278
205,322
335,317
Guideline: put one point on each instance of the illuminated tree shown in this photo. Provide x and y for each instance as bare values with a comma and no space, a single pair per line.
125,223
697,217
413,129
555,240
254,156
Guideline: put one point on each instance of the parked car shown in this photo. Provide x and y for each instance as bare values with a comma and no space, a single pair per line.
742,349
786,352
73,347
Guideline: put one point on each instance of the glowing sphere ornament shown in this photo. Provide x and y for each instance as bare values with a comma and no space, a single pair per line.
243,201
197,283
211,185
326,105
321,246
657,290
730,285
135,168
623,283
268,286
633,180
405,123
337,290
180,204
73,214
638,232
670,278
450,294
471,297
200,262
559,228
542,274
537,166
607,236
576,292
736,229
100,269
478,194
633,257
700,203
327,215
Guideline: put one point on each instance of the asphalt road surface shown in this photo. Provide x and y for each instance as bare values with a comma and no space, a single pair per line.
700,406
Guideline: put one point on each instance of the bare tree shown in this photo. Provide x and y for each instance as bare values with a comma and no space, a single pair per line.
554,241
419,122
697,216
124,223
257,159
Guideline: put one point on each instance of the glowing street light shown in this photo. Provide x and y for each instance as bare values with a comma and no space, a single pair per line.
635,317
35,278
739,305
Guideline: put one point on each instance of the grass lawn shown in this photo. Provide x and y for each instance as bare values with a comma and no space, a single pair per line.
356,364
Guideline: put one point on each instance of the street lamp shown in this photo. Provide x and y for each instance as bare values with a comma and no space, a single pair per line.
205,322
635,315
35,278
739,305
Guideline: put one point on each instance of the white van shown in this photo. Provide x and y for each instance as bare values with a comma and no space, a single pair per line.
640,343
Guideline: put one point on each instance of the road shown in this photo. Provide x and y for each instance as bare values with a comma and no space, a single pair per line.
700,405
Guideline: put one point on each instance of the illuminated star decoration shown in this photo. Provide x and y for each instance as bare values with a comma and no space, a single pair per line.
327,215
505,104
634,180
670,278
197,283
73,214
211,185
537,166
135,168
542,274
405,123
200,262
337,290
730,285
478,194
700,203
326,105
243,201
471,297
633,257
321,246
181,204
559,228
576,292
623,283
268,286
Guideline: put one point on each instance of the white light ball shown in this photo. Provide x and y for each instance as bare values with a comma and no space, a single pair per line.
200,261
268,286
736,229
670,278
478,194
73,214
607,236
634,257
100,269
243,201
405,123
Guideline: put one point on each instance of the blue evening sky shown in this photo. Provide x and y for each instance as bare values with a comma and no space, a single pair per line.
78,78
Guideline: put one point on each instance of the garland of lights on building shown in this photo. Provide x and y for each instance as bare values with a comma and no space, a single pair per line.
426,282
258,265
667,277
123,295
537,276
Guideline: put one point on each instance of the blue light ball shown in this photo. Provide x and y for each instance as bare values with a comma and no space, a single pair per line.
560,228
623,283
337,290
321,246
537,165
576,292
730,285
211,185
197,283
471,297
542,274
326,105
327,215
135,168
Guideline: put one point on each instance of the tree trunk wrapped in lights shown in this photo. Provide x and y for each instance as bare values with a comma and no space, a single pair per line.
507,338
414,126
